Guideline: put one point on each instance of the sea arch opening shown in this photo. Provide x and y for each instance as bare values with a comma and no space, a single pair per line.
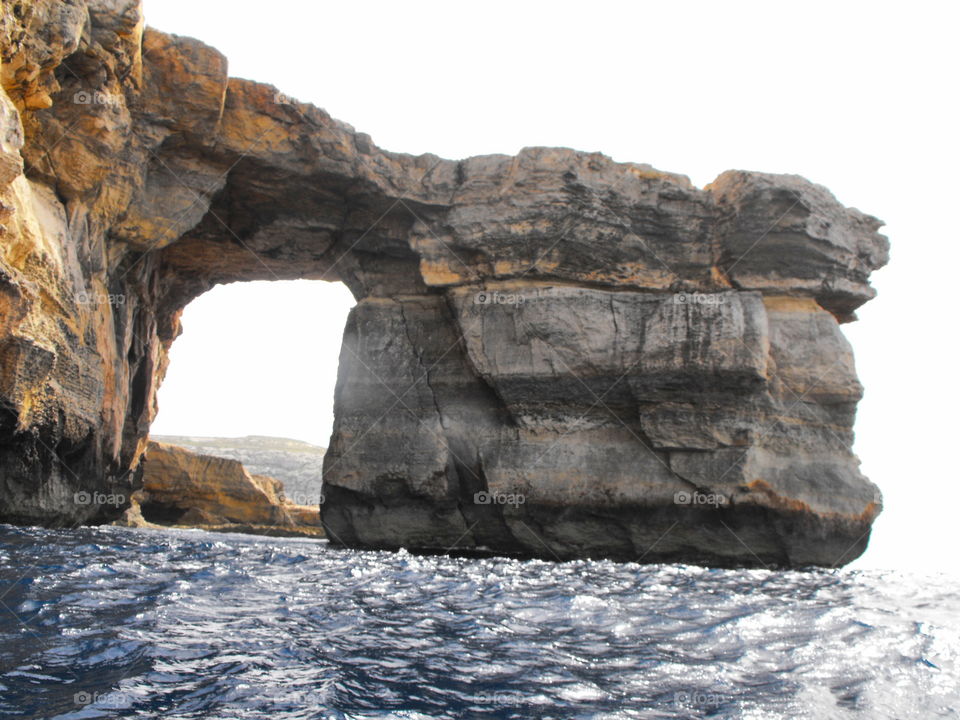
252,378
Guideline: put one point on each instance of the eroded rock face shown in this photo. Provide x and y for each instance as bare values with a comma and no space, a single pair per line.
298,465
185,488
550,353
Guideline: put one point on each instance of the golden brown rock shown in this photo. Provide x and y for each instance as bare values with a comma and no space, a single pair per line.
189,489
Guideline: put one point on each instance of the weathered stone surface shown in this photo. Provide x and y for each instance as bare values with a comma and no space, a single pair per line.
592,337
297,464
783,235
188,489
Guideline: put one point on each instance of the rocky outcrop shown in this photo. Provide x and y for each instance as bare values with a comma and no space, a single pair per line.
186,489
297,464
552,354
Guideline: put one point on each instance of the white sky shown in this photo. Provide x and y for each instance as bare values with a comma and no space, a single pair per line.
860,97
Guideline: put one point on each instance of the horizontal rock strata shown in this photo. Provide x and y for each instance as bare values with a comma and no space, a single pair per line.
551,354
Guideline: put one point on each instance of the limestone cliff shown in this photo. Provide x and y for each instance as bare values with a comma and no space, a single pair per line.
298,465
189,489
551,354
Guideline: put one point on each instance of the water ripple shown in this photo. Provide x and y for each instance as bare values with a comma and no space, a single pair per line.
108,622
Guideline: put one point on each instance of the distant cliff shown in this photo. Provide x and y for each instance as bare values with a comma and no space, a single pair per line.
298,465
188,489
552,354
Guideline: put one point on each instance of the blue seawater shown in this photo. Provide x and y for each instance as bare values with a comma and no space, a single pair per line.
117,623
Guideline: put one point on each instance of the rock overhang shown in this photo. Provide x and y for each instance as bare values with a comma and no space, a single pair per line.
593,336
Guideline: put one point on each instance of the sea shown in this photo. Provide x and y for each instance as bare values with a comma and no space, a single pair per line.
123,623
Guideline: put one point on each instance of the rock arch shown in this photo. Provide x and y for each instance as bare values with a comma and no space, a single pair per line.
552,354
